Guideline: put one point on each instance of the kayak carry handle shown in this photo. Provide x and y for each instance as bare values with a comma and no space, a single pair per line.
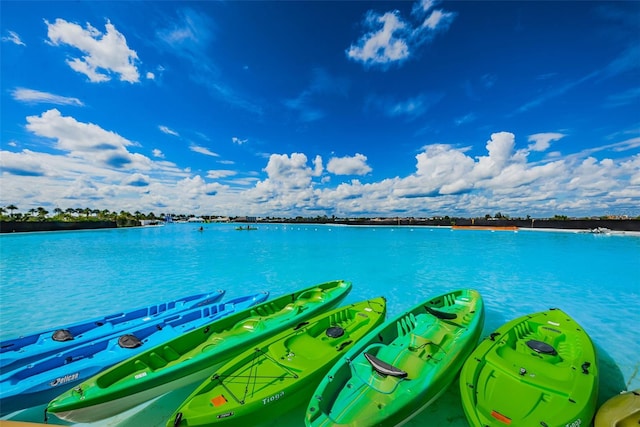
343,345
300,325
177,420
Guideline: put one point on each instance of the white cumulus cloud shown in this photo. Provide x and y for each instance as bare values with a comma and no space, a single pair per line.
104,53
385,42
355,165
389,38
542,141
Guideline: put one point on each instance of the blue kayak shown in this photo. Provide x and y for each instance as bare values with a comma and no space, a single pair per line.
36,384
29,348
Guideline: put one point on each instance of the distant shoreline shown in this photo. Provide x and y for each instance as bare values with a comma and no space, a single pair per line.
575,225
33,226
520,224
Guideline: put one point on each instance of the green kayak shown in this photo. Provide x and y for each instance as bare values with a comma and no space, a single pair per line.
401,366
622,410
537,370
279,373
191,357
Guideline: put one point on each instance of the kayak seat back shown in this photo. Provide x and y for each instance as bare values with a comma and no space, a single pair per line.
384,368
443,315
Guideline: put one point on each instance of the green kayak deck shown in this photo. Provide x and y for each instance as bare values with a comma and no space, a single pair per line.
401,366
279,373
537,370
191,357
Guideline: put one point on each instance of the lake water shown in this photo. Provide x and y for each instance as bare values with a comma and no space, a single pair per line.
50,279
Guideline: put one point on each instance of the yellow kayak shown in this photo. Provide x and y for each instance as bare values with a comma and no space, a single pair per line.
622,410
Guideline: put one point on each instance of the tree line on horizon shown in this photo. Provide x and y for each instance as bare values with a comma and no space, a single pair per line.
72,214
88,214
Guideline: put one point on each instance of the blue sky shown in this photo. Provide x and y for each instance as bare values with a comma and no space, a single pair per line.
322,108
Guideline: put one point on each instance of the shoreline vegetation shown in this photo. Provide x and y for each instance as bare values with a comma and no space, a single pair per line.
90,219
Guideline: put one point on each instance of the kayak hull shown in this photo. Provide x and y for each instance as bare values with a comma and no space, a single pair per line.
26,349
280,373
192,356
539,369
41,381
402,366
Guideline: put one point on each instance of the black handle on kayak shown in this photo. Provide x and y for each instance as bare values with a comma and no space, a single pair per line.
300,325
177,420
343,345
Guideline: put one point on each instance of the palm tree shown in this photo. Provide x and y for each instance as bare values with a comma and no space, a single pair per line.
11,208
42,212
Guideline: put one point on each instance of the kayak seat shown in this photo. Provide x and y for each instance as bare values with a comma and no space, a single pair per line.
250,324
129,341
293,307
315,294
62,335
307,347
546,370
417,341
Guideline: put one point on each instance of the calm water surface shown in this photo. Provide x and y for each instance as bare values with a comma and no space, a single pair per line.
49,279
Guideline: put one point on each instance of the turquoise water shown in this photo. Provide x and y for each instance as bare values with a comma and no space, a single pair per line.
49,279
